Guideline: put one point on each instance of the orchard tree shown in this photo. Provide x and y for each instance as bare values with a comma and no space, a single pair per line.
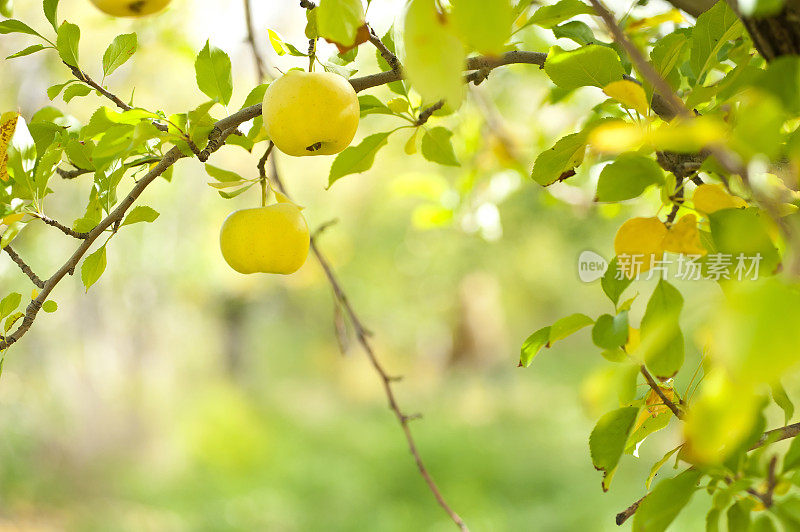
703,106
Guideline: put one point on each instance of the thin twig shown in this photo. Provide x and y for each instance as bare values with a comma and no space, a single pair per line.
61,227
656,388
425,115
386,54
23,266
362,334
248,17
625,514
363,338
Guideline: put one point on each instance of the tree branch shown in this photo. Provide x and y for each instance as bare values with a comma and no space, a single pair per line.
656,388
362,334
251,40
23,266
61,227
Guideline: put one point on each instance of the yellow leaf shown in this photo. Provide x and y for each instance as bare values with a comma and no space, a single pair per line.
652,22
411,144
710,198
617,136
683,237
8,123
640,239
13,218
629,94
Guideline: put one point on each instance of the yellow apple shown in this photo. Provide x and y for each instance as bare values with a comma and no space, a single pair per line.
272,239
310,113
130,8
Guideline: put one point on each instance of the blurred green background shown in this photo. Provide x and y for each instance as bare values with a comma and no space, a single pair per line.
180,395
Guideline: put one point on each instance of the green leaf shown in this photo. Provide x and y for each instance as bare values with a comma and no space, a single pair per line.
658,465
93,267
338,20
661,337
738,518
45,169
557,163
627,177
7,10
14,318
612,286
532,345
213,73
256,95
665,502
609,331
549,16
142,213
355,159
16,26
434,57
369,104
545,336
9,304
575,30
69,35
763,523
437,148
51,12
743,232
49,306
791,460
220,174
607,441
119,51
569,325
591,65
749,338
27,51
75,90
483,26
55,90
780,78
782,399
713,30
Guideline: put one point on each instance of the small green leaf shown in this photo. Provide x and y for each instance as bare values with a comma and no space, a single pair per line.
213,73
142,213
569,325
69,35
658,465
559,162
791,460
627,177
782,399
14,318
121,49
338,20
611,284
738,518
16,26
75,90
55,90
9,304
661,338
27,51
664,503
591,65
714,28
550,15
220,174
609,331
607,441
355,159
437,148
49,306
93,267
532,345
51,12
578,31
